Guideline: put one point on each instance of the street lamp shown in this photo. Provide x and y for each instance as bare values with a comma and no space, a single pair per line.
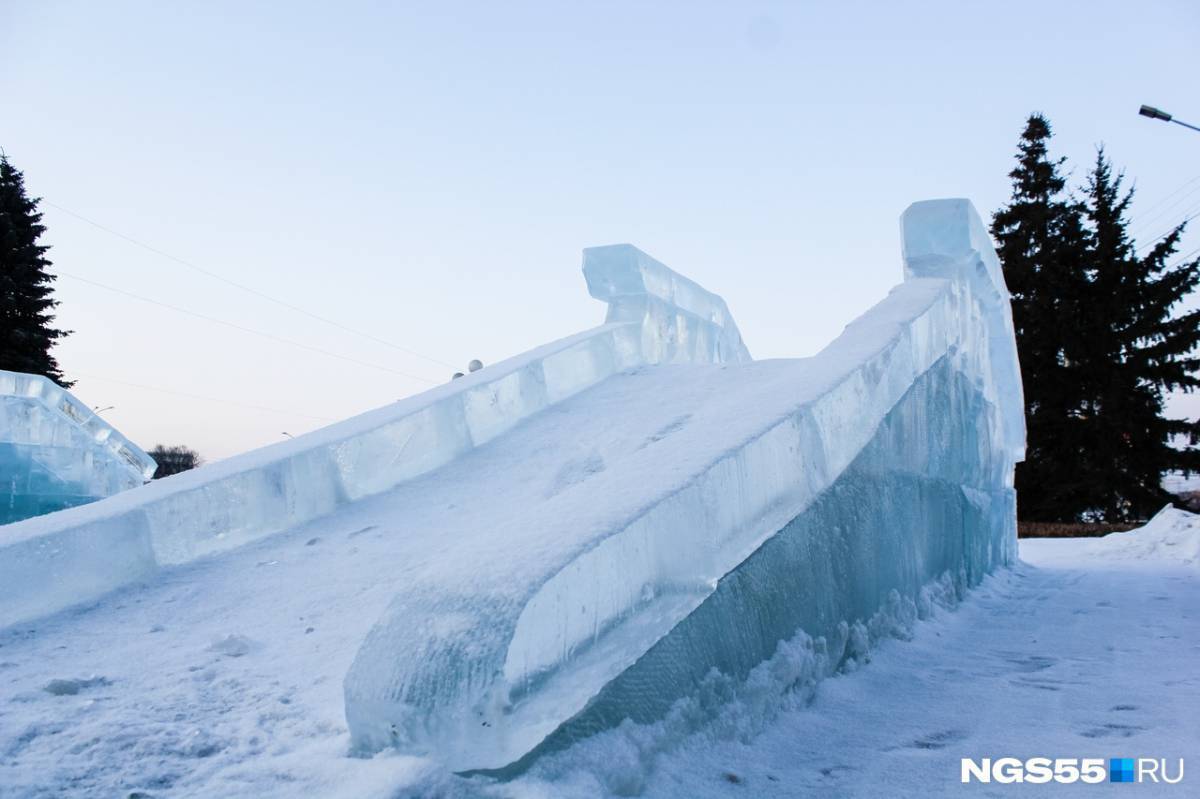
98,410
1154,113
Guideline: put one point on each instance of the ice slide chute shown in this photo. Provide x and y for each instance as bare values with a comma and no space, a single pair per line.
76,555
822,487
749,503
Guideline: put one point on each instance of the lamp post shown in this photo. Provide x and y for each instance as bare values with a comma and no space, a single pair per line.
98,410
1154,113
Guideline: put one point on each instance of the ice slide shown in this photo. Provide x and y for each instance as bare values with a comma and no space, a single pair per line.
56,452
581,534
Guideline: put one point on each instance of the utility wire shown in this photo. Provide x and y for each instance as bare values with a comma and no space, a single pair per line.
1162,200
235,326
1145,220
244,287
201,397
1184,258
1193,213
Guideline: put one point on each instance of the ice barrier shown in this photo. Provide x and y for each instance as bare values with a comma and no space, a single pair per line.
75,555
55,452
680,321
889,466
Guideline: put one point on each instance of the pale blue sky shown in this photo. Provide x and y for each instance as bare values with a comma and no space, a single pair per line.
430,172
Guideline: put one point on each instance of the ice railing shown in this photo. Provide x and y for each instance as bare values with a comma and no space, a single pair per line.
480,677
53,561
63,406
680,320
947,239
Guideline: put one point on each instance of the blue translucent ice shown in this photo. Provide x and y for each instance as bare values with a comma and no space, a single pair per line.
790,497
587,532
56,453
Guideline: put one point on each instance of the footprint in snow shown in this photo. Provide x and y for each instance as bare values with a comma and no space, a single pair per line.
1113,731
233,646
674,427
939,740
73,687
574,472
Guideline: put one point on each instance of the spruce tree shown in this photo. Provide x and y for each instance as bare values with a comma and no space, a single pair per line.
1041,242
173,460
1135,351
26,288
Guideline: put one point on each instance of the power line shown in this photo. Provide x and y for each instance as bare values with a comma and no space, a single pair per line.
1167,210
236,326
243,287
1192,214
1183,258
202,397
1162,200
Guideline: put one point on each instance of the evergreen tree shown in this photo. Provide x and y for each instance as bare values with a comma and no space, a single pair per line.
26,288
1042,245
1135,351
173,460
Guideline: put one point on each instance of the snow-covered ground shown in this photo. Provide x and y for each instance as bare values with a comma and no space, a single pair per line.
1088,648
1179,483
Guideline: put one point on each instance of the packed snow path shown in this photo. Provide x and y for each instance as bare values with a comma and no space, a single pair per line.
192,687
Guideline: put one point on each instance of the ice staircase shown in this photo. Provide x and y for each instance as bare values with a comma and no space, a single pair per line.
596,527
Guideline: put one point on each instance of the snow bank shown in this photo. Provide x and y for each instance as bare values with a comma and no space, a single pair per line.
888,462
75,555
1172,535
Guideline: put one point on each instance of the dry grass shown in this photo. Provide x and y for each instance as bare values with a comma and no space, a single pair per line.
1071,529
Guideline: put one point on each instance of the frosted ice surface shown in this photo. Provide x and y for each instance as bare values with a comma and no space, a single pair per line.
589,528
680,320
52,561
56,453
946,238
796,496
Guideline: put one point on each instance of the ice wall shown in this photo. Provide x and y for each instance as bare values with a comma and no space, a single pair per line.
680,321
890,465
924,504
77,554
56,453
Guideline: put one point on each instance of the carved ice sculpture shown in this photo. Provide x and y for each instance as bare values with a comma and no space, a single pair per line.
822,489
